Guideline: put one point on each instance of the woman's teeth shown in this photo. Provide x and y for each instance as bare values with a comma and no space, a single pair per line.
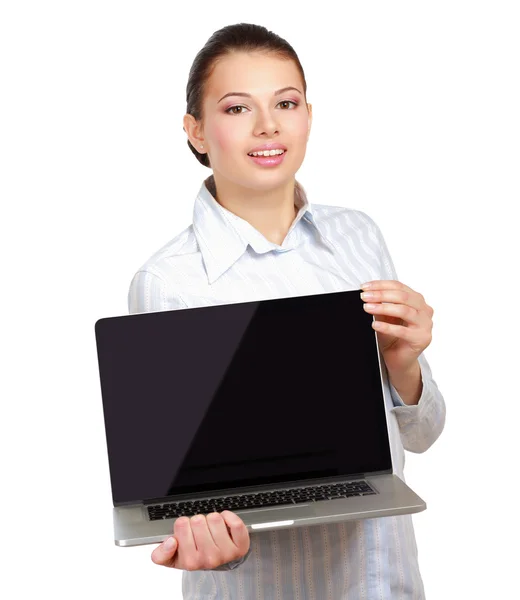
266,153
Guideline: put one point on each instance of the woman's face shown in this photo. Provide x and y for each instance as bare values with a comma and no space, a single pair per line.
234,125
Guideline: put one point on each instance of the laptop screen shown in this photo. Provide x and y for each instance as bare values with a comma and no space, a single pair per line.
241,394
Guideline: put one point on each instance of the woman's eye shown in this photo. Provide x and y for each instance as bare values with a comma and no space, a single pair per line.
288,102
232,107
241,106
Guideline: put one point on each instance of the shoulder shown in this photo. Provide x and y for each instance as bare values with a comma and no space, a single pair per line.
175,266
356,235
175,254
340,220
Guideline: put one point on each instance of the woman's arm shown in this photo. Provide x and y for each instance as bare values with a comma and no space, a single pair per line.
420,423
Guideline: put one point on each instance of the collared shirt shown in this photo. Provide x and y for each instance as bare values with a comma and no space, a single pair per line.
221,258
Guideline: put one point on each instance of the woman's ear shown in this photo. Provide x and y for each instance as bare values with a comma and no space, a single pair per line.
192,128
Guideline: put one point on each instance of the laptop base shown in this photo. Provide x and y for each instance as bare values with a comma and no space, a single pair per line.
133,528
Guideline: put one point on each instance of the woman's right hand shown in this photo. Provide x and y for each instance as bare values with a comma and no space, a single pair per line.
203,542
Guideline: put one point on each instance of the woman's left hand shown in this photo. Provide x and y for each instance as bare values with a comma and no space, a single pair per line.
403,322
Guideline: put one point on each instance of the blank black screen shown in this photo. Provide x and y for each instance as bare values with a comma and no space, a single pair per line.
241,394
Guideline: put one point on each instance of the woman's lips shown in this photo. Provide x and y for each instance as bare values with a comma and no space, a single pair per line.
269,161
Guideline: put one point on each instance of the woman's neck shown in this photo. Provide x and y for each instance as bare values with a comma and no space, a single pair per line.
270,212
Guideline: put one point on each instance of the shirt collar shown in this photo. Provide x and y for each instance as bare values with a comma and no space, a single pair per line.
223,236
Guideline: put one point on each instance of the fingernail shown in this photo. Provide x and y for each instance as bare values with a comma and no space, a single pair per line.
365,286
169,544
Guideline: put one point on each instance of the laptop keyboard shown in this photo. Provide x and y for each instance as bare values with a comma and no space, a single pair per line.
172,510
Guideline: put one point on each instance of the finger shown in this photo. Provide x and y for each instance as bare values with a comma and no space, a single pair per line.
222,537
385,284
395,296
404,333
399,311
391,286
238,531
210,556
165,553
203,539
184,535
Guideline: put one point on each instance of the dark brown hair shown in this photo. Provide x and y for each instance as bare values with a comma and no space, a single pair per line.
241,37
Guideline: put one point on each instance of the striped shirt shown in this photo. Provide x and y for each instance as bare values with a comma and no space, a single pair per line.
221,258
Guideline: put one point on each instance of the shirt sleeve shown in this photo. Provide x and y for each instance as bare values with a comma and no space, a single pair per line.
150,293
233,564
419,424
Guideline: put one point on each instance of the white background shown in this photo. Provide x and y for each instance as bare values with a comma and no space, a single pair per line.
416,121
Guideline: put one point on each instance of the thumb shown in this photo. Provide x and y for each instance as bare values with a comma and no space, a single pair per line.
163,554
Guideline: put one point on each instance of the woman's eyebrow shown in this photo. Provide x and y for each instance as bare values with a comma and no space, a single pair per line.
249,95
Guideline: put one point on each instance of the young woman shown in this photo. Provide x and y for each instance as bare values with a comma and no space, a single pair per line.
255,235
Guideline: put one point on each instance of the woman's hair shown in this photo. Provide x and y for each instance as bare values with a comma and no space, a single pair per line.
241,37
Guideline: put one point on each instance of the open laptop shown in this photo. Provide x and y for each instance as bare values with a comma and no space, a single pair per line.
272,409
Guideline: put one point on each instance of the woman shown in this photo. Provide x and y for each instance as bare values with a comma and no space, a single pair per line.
255,235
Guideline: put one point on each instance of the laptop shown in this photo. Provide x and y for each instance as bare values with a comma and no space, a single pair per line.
273,409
